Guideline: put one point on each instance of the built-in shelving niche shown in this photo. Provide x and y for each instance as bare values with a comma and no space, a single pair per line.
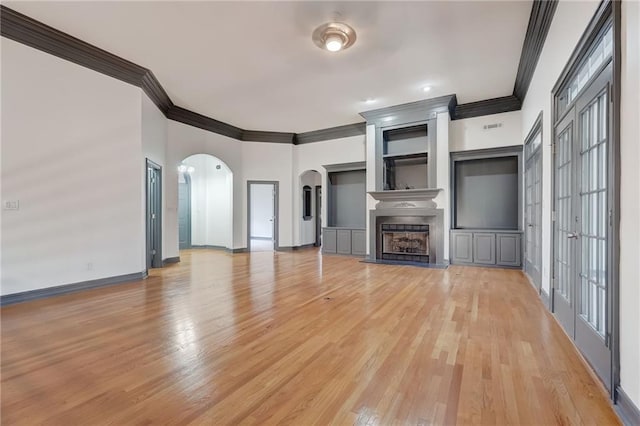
344,232
405,157
486,213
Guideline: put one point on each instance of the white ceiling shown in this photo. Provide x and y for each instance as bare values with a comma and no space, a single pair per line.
253,64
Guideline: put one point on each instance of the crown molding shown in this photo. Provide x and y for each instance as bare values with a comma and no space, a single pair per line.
412,111
487,107
346,167
194,119
35,34
273,137
542,12
151,86
28,31
338,132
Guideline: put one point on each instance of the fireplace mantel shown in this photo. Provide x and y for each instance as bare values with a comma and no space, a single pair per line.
406,198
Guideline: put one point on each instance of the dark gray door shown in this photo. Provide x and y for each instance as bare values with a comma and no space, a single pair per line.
582,247
154,218
533,209
318,241
184,211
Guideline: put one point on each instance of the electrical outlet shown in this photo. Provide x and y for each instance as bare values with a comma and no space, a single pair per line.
11,205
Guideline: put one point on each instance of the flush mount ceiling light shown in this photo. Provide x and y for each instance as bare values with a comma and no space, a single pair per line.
426,88
334,36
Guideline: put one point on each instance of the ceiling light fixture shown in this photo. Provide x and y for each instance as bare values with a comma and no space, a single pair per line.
426,88
334,36
369,101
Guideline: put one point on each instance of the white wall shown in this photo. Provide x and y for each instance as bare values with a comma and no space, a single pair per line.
271,162
570,20
630,203
261,221
469,133
211,201
154,148
184,141
313,156
71,155
308,227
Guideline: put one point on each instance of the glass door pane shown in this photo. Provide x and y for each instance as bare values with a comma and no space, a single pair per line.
594,213
563,252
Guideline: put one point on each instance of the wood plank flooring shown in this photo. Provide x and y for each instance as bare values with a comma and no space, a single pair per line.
295,338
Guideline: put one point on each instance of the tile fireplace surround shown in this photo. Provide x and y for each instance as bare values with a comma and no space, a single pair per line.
407,207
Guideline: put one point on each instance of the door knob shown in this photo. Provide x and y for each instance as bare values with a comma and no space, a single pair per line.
573,236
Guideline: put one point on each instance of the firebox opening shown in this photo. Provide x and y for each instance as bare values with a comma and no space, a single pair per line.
405,242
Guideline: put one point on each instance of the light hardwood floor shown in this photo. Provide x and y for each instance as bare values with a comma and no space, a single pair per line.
295,338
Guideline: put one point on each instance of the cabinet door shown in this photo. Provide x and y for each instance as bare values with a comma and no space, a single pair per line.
484,248
344,241
508,249
329,243
462,247
358,242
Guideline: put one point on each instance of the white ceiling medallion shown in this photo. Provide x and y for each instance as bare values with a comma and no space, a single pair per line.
334,36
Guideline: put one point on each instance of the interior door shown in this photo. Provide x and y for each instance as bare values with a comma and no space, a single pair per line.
564,225
582,246
318,241
533,209
154,220
262,218
184,211
592,281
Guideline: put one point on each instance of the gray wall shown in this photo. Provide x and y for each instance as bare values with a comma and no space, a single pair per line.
347,203
406,146
415,176
487,193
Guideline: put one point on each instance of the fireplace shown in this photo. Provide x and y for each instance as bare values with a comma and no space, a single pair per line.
405,242
406,227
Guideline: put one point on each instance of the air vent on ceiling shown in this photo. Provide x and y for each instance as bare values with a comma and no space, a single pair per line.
492,126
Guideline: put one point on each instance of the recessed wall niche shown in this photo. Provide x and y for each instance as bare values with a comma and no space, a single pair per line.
405,157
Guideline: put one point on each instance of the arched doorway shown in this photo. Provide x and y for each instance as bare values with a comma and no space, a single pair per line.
205,203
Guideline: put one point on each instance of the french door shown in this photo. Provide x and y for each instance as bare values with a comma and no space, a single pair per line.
582,246
533,208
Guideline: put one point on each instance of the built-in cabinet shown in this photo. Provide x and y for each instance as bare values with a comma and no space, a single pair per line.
486,207
347,241
346,210
499,248
508,249
484,248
